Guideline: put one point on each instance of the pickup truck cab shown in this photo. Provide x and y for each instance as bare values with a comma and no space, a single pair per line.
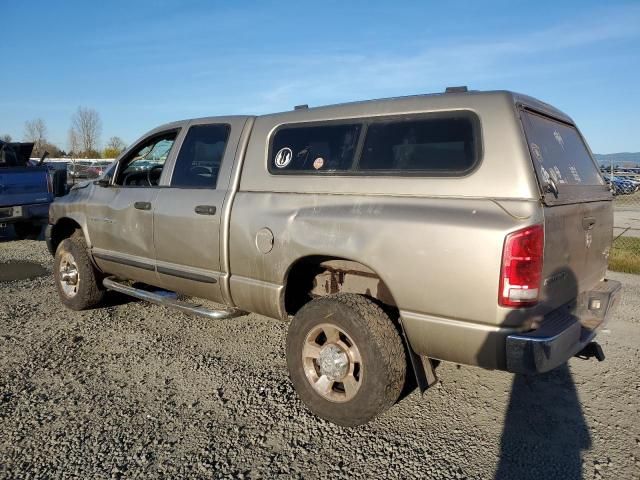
25,191
469,227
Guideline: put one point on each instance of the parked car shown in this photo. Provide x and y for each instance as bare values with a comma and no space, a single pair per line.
26,190
621,185
98,168
79,168
469,227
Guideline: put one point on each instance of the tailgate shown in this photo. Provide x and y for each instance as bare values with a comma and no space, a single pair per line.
578,208
577,242
24,185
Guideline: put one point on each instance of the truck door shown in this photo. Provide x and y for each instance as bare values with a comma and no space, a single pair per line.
120,215
187,214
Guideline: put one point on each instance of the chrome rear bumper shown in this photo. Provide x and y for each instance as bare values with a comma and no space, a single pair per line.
562,333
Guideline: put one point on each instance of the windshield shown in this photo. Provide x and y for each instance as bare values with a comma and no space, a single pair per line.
150,156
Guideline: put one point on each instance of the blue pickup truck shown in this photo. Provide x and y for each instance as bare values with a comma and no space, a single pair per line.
26,190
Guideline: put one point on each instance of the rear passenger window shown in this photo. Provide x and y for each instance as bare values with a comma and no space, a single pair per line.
439,145
200,156
326,148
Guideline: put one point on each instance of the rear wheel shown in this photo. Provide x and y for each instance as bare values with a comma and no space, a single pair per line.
77,281
346,359
27,230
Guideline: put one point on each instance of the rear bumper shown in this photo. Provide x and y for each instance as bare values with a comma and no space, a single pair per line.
562,333
38,212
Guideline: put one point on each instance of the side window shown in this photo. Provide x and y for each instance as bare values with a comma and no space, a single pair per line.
325,148
200,156
439,145
143,167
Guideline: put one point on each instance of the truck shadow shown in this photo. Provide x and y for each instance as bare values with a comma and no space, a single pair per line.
7,235
544,430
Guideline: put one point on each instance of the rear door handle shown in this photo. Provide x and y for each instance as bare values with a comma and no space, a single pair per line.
205,210
142,205
588,223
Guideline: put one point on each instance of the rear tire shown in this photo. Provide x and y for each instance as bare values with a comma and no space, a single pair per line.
346,359
27,230
79,284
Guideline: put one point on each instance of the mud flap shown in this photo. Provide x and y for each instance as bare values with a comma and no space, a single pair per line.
423,369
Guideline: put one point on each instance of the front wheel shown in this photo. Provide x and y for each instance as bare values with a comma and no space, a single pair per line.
346,359
77,281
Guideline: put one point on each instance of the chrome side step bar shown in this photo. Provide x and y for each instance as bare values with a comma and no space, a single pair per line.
165,301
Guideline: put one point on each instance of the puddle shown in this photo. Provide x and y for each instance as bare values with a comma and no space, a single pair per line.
20,270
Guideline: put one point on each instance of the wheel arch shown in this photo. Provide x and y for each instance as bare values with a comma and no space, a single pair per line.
314,276
62,229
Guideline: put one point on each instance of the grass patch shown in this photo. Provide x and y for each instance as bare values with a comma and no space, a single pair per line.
625,255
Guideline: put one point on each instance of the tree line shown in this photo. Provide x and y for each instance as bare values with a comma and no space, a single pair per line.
83,137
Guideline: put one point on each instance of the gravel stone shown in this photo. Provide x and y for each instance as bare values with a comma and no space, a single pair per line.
133,390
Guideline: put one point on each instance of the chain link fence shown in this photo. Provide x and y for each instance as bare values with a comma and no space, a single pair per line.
625,253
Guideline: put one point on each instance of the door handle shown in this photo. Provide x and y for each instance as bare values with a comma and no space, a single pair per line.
588,223
142,205
205,210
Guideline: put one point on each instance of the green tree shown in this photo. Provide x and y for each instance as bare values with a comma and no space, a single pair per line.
91,154
110,153
115,146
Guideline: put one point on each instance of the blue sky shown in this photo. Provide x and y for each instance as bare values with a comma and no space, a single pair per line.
141,64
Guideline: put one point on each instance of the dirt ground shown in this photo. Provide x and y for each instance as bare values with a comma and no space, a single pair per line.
133,390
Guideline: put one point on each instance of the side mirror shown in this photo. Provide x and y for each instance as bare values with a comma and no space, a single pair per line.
102,182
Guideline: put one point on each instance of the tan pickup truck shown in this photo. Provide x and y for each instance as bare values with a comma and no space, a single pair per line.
469,227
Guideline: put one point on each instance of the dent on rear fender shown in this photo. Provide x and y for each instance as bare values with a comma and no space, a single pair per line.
366,231
331,231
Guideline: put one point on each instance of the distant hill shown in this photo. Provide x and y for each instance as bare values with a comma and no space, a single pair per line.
624,159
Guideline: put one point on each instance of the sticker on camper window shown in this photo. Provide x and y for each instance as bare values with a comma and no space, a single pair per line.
536,152
318,163
559,138
574,172
557,175
283,157
545,175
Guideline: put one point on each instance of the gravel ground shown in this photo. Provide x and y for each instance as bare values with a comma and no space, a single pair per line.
135,390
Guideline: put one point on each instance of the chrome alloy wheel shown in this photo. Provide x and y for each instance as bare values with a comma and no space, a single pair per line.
332,363
69,276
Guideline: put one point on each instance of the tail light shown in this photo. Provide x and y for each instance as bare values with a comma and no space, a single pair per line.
521,270
49,182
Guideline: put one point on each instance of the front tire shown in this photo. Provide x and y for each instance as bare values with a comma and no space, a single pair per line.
346,359
77,281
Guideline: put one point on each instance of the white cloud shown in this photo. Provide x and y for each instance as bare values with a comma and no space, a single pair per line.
330,77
